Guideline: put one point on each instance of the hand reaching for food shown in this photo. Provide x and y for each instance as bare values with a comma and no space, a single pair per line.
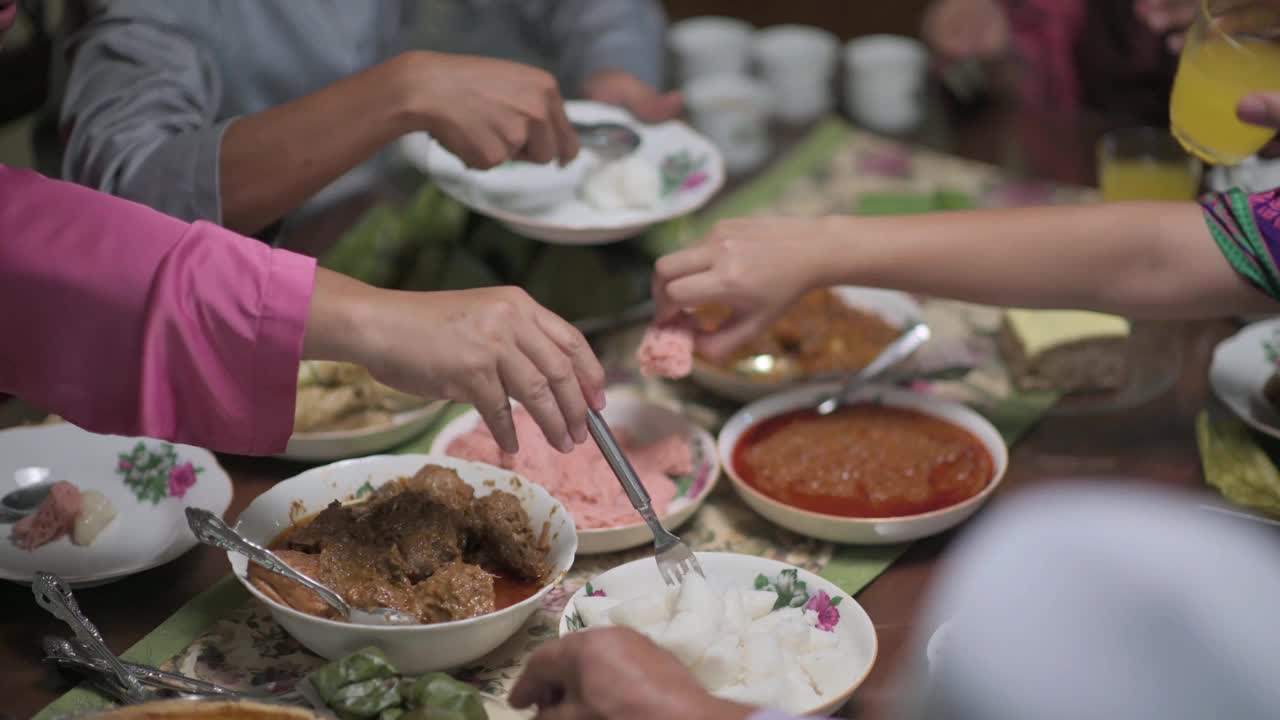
614,673
755,268
480,347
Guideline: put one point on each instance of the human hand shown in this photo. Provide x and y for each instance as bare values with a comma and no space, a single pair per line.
625,90
489,111
473,346
1171,17
753,267
614,674
967,29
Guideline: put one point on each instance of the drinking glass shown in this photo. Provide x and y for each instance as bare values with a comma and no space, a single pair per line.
1145,163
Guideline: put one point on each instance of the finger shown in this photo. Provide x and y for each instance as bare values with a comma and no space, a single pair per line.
1261,109
542,147
650,107
526,383
566,136
586,366
691,291
731,336
1271,151
1176,42
547,674
557,369
698,258
490,400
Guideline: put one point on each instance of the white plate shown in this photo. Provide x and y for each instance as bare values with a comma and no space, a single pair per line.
646,422
696,172
1241,366
414,649
896,308
862,531
143,535
730,570
340,444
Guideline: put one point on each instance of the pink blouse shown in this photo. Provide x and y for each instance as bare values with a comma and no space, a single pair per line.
126,321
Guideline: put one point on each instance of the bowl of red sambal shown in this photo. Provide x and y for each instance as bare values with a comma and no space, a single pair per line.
888,466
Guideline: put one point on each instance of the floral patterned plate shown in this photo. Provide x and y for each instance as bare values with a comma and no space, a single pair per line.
1242,364
836,611
645,421
149,483
691,167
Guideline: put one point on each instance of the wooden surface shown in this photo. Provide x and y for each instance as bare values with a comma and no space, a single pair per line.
1154,441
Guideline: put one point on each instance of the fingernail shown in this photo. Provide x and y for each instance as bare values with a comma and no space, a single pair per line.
1253,110
599,400
566,445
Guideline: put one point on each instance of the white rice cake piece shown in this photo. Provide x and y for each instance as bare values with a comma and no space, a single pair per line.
822,640
758,603
735,621
825,669
766,692
641,611
689,636
792,634
722,664
595,610
698,598
96,513
763,656
798,694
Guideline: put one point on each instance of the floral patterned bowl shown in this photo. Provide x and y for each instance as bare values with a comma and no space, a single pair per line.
414,649
691,167
148,482
837,612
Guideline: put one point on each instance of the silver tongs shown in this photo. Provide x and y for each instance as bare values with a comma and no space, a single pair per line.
675,559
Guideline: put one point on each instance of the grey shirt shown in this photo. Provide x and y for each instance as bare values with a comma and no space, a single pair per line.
154,84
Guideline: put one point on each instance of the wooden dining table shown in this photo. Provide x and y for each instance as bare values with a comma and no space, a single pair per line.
1153,442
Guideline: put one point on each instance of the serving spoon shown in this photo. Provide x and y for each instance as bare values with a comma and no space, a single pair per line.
899,350
211,530
609,140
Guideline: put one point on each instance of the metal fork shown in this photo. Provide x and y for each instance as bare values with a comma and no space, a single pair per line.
675,559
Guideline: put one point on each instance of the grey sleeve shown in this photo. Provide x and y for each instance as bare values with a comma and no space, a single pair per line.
140,108
588,36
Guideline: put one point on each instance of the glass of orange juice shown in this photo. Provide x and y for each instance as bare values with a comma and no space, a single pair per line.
1145,163
1231,51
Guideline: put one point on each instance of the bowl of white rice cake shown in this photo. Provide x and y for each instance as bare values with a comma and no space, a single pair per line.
755,630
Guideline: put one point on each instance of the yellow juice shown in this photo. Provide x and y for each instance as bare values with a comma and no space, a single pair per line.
1212,78
1147,179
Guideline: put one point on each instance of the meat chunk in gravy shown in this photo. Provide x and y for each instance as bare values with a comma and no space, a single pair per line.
501,534
424,545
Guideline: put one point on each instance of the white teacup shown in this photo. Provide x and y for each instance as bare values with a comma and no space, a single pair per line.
733,111
885,82
798,63
710,45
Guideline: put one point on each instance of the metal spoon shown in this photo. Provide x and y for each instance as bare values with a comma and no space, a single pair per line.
211,530
609,140
33,487
899,350
54,595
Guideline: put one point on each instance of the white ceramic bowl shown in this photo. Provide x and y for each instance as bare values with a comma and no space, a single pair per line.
531,200
709,45
730,570
862,531
896,308
1241,366
333,445
646,422
150,528
418,648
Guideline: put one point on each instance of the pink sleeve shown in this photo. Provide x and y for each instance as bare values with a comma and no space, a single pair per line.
127,321
1044,42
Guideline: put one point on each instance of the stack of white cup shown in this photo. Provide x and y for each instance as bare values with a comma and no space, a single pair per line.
795,64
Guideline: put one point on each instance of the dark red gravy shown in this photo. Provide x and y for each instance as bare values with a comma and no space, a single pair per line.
863,461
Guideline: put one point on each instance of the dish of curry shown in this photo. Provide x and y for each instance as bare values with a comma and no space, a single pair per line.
863,461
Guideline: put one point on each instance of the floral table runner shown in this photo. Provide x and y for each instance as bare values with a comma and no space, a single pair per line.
225,637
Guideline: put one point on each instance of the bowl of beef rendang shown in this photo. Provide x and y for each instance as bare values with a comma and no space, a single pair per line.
468,548
889,466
